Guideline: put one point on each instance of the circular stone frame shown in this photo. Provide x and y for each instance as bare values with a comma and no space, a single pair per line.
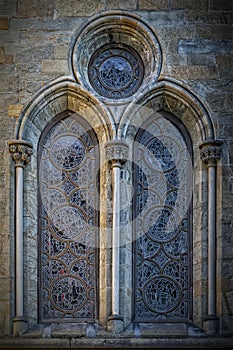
123,29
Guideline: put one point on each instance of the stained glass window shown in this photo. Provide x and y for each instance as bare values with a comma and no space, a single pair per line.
68,222
116,71
162,178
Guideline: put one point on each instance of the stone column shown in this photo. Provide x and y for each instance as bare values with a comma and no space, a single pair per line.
21,152
210,154
116,154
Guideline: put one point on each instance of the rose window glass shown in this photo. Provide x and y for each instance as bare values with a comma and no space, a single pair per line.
116,71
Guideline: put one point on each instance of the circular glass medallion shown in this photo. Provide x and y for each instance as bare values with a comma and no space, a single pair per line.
67,152
116,71
69,293
68,223
161,294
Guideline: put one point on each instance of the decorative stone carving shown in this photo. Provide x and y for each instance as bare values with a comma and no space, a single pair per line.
116,151
21,152
211,152
116,74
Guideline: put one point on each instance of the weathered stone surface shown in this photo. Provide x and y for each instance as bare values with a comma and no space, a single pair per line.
55,66
35,8
2,55
30,24
8,7
3,23
214,31
14,110
119,4
205,46
60,52
9,83
201,5
160,18
153,5
224,60
80,8
207,18
221,102
221,5
192,72
162,329
201,60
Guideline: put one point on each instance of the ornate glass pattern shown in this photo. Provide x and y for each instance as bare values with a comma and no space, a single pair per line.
116,71
68,223
162,225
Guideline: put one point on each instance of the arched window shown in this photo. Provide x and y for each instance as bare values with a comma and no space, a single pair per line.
68,221
162,222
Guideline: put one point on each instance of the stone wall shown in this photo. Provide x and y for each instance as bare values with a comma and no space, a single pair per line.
196,43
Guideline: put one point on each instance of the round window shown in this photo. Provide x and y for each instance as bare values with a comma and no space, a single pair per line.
116,71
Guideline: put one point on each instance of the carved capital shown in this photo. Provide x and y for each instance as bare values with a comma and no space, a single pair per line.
211,151
20,151
116,152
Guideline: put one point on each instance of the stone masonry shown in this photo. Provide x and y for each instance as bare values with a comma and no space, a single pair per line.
197,49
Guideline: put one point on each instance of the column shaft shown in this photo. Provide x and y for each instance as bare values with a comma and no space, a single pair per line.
21,152
116,172
19,242
210,154
212,240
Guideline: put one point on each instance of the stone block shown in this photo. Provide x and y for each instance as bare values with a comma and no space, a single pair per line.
224,60
3,23
68,330
55,66
45,24
211,18
220,102
216,31
15,110
201,60
191,72
161,18
121,4
8,7
163,329
60,52
205,46
9,83
81,7
35,8
2,55
153,5
221,5
198,5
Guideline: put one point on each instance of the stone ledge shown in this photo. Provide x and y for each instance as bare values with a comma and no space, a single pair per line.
120,343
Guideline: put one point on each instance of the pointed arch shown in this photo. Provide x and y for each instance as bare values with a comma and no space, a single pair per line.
173,97
63,94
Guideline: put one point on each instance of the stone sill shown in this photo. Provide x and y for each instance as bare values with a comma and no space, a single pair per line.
120,343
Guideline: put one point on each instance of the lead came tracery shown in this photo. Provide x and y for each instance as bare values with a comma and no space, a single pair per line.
162,269
68,222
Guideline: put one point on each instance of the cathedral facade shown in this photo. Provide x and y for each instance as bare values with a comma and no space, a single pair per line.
116,174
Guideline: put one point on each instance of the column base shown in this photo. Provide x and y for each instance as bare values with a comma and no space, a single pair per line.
211,325
115,324
20,326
